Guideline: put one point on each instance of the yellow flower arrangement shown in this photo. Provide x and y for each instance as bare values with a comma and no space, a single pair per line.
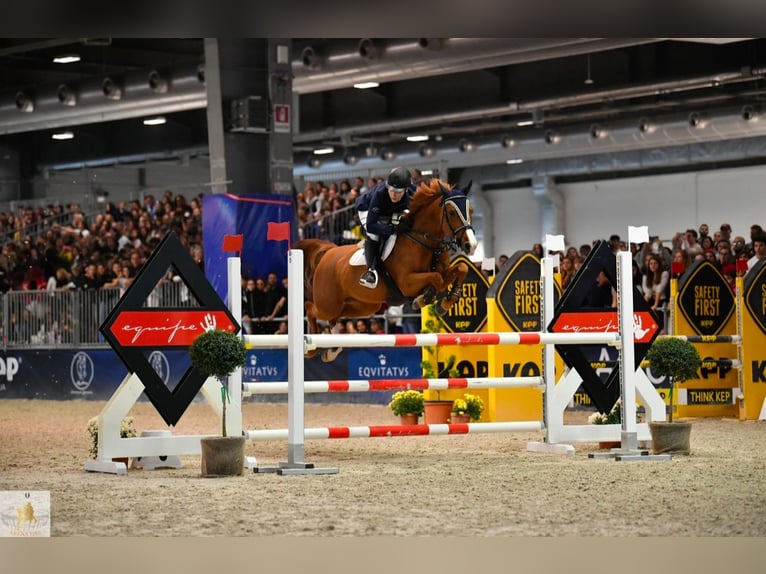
407,402
471,405
127,430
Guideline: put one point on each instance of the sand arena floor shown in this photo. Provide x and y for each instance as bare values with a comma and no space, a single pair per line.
481,485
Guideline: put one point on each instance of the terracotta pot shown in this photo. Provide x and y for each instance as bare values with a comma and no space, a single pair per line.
437,412
672,438
460,419
223,456
409,419
609,444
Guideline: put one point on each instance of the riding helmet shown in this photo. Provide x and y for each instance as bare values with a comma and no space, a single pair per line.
399,178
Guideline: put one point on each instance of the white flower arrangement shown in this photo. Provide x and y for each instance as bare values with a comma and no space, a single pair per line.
127,430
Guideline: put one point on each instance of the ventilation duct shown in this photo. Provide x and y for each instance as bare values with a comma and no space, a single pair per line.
577,142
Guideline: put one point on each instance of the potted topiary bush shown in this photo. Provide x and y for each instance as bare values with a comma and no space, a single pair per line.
217,353
678,360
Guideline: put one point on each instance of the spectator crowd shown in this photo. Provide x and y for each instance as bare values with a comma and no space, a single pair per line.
59,248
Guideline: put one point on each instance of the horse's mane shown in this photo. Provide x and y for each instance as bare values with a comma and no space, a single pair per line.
426,192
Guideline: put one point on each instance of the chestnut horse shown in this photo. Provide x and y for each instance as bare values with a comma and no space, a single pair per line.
419,264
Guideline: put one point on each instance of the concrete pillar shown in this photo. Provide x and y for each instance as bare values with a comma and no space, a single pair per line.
552,206
249,115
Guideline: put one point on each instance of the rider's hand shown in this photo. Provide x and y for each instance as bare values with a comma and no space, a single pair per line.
403,225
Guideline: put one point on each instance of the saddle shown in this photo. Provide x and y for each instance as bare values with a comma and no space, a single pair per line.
395,296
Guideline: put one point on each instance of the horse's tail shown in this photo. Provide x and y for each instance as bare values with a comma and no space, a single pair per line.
313,251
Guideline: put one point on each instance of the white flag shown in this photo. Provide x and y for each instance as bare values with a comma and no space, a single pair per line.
488,264
554,243
638,234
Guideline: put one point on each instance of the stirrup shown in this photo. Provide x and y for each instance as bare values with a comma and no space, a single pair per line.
369,279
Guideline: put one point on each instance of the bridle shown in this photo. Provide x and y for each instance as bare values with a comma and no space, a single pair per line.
451,243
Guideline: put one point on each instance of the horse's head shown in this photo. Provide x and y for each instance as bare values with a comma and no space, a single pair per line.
457,214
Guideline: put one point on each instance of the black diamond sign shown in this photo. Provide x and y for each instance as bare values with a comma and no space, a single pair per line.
132,329
516,291
469,313
705,298
572,317
755,293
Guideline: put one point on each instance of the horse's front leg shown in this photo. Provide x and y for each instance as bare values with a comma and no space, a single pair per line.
421,286
454,277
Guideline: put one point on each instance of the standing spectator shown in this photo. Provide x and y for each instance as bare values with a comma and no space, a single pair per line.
361,326
276,301
759,250
738,247
703,232
254,306
376,327
681,260
601,294
725,231
655,282
692,246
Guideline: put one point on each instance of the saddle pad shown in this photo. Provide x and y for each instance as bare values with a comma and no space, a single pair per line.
358,257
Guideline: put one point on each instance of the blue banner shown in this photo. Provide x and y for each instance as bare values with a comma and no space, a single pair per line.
261,219
95,374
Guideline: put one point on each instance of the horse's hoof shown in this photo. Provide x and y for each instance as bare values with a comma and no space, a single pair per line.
330,355
440,310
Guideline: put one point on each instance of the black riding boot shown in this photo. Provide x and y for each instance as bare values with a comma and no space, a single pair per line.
370,277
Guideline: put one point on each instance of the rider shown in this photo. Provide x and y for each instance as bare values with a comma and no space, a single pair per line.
380,211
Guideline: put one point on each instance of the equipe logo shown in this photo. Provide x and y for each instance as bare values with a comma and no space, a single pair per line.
9,367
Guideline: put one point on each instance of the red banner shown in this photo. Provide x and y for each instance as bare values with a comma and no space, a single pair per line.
644,326
166,328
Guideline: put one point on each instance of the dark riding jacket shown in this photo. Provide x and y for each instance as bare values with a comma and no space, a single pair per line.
380,208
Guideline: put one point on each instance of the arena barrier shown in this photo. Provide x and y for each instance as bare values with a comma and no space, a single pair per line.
728,329
556,396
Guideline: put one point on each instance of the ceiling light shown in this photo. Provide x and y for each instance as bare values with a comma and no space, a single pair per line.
63,136
697,120
350,158
366,85
66,59
597,132
588,80
426,150
24,102
749,114
324,150
552,137
524,123
314,162
157,82
645,126
387,155
370,151
514,161
418,138
508,141
156,121
111,89
466,145
67,95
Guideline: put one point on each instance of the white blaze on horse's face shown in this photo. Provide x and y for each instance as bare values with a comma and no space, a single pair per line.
462,213
470,236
